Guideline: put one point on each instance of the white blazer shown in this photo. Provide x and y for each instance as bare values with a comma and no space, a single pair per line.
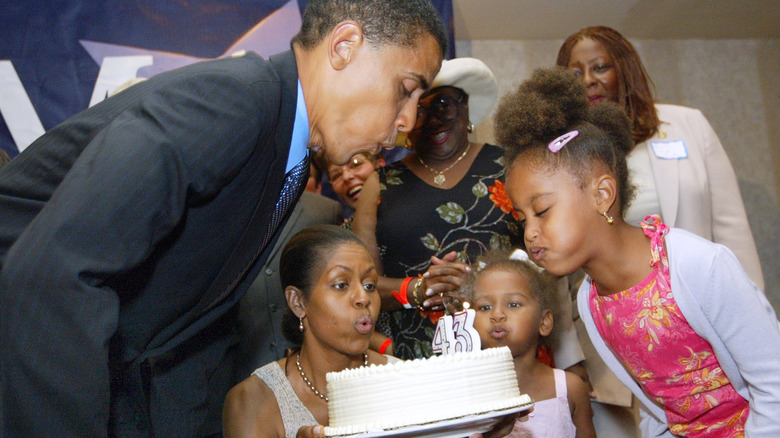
700,193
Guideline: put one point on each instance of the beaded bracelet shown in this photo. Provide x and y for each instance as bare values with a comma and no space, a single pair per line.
414,294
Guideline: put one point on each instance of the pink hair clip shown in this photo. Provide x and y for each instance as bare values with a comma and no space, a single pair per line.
561,141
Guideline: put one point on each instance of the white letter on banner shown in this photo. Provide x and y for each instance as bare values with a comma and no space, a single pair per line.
16,108
115,71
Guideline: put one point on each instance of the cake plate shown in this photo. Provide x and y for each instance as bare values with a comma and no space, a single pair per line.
455,428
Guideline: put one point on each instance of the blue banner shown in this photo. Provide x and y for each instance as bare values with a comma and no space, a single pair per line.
58,57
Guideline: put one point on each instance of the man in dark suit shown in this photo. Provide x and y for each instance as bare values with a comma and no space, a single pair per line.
261,308
129,232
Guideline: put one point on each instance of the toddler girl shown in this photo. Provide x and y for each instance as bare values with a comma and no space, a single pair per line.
514,305
673,315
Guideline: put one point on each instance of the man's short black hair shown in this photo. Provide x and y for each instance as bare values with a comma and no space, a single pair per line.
384,22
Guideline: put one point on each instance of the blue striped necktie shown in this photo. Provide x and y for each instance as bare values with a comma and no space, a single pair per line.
293,182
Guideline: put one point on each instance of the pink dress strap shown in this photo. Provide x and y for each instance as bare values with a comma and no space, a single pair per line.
550,418
655,230
561,391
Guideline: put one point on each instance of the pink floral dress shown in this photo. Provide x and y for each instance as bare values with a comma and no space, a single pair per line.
672,364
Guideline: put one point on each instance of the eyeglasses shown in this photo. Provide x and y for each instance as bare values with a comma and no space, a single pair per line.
356,162
444,108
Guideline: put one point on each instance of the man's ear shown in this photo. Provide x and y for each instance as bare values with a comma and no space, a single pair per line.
295,301
546,324
345,39
605,193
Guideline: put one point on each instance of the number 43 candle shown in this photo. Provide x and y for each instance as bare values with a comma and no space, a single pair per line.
456,333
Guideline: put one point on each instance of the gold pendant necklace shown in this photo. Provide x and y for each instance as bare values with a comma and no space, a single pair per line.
311,385
439,179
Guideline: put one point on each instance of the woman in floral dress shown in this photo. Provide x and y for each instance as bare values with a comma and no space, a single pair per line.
442,205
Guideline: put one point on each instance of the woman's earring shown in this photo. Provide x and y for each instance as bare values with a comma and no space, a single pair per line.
408,143
470,127
610,219
300,324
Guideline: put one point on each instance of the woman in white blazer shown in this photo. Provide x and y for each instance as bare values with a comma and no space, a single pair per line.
681,171
678,162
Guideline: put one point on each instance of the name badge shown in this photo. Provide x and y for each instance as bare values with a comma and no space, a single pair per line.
669,150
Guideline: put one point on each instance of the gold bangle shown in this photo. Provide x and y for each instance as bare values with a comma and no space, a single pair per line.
414,294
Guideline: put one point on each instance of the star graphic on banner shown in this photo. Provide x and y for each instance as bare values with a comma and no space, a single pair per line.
271,35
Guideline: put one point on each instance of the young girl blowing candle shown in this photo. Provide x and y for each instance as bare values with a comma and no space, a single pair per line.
673,315
514,305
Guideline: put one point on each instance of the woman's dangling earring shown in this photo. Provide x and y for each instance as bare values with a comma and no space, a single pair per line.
610,219
408,143
470,128
300,324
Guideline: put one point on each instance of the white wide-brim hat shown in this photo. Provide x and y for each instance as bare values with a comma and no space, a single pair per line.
475,79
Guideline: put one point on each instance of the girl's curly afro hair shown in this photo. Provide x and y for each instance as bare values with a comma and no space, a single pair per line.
553,102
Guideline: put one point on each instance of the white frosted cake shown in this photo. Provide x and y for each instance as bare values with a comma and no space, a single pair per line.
422,391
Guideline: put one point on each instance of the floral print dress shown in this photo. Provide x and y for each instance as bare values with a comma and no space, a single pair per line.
644,328
416,221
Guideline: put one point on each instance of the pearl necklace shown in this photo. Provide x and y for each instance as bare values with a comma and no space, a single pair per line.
311,385
440,178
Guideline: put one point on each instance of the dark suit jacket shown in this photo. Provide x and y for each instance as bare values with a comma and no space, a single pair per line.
127,235
261,308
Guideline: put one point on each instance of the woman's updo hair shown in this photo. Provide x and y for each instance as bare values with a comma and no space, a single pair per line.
552,103
301,263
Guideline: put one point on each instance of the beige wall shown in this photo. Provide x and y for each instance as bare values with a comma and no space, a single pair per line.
733,82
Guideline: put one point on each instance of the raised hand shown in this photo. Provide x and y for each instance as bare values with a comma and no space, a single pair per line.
443,278
364,218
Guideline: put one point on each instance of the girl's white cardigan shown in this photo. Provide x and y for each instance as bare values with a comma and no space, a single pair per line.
726,308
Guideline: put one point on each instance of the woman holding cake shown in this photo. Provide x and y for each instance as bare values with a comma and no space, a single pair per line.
333,302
